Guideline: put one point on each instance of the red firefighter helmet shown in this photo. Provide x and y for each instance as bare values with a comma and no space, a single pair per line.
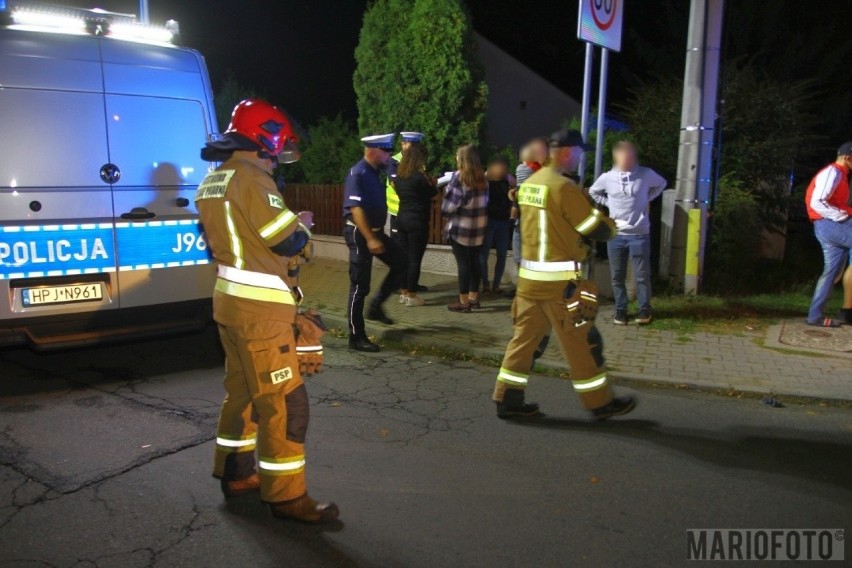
267,125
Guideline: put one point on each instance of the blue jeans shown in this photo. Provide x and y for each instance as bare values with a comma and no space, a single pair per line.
638,248
836,242
497,233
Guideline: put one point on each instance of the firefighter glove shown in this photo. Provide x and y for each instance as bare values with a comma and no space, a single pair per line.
581,301
309,329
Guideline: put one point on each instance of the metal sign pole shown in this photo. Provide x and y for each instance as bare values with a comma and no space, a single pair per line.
144,17
599,142
587,103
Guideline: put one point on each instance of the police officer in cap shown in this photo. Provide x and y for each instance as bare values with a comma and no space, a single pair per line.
365,211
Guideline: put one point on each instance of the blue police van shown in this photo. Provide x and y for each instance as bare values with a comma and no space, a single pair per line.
102,119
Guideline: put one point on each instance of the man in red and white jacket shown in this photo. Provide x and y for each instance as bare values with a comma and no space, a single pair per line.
830,210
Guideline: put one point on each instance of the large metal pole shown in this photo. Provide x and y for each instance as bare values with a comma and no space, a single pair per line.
599,143
144,16
709,116
587,104
685,254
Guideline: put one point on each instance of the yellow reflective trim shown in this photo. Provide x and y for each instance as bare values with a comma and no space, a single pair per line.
589,222
235,442
281,466
542,235
254,292
511,377
229,445
278,224
548,276
595,383
236,244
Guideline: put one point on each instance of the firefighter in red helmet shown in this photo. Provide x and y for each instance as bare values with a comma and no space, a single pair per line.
252,236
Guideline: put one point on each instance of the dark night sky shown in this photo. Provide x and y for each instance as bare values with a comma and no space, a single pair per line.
299,53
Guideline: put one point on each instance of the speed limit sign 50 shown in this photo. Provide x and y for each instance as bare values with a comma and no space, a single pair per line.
600,22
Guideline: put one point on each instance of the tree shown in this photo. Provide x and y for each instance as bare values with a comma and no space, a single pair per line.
231,93
417,69
327,153
766,126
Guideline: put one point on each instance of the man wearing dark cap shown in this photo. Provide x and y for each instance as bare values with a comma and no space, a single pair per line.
558,218
365,211
830,210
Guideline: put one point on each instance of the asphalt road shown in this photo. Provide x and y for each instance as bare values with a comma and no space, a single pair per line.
105,459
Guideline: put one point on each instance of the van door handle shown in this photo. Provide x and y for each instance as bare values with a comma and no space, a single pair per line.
138,213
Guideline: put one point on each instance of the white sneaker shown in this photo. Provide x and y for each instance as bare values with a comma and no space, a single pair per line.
412,301
403,299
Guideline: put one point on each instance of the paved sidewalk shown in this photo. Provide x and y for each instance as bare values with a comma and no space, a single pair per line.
744,362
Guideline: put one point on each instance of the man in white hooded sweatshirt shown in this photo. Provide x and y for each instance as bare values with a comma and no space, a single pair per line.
628,189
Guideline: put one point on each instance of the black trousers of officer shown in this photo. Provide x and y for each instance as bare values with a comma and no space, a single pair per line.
361,271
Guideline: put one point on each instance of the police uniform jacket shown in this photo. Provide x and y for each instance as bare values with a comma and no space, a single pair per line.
364,188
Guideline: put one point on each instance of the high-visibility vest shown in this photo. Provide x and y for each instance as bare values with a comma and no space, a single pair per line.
390,193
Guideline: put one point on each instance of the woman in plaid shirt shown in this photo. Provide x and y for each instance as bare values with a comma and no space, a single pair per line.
465,207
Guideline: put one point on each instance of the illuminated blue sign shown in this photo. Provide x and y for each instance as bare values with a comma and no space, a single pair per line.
33,251
54,250
160,244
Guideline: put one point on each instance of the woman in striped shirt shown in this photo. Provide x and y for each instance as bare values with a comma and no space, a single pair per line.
465,207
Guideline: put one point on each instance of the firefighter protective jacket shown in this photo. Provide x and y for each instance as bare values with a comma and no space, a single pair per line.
244,218
558,219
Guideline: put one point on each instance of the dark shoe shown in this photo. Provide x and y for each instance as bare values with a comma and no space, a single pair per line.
644,317
513,406
826,322
234,488
620,317
376,313
420,288
618,406
475,305
363,344
306,510
459,307
845,316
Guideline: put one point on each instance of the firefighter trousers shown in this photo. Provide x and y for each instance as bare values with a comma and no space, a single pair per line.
265,409
582,347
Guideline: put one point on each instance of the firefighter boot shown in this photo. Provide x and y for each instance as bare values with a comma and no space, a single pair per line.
619,405
237,487
513,405
306,510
